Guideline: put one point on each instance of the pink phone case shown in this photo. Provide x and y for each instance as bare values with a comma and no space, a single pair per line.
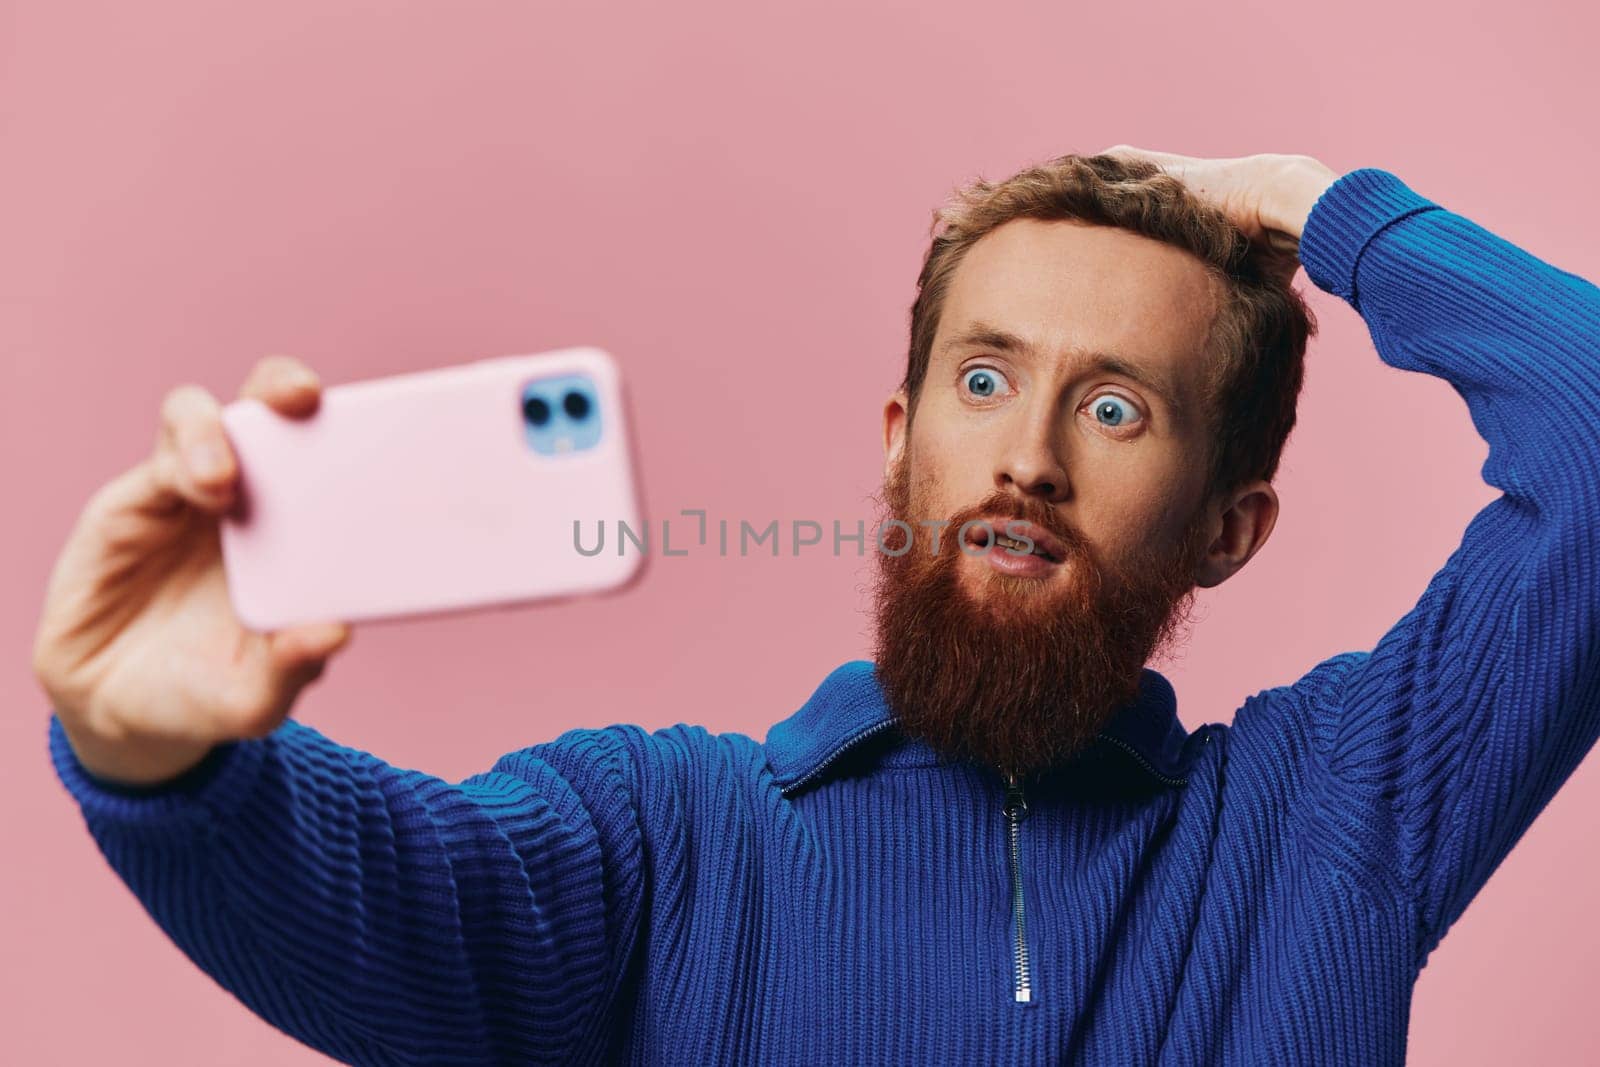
421,493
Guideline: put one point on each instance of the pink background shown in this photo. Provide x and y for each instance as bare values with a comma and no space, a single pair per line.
734,199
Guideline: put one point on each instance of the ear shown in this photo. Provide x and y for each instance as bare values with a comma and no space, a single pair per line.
895,424
1240,525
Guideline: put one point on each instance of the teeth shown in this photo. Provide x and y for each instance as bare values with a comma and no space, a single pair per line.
1002,541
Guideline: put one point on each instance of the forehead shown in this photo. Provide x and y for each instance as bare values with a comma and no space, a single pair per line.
1068,289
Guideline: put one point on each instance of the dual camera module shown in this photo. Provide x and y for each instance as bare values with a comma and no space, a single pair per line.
536,409
561,414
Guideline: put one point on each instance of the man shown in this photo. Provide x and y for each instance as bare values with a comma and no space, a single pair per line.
997,844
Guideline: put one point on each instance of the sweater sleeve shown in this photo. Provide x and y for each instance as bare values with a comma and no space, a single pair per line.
385,916
1459,726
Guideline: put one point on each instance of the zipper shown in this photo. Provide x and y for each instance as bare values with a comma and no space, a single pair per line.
1015,810
838,750
1165,779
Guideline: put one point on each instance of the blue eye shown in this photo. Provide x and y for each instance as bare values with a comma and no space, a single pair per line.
1114,409
983,381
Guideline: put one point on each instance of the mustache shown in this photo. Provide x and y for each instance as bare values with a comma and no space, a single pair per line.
1002,506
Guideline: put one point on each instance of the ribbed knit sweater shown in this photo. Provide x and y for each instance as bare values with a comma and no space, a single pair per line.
1263,891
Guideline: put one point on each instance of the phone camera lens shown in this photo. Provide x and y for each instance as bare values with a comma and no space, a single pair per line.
536,410
575,404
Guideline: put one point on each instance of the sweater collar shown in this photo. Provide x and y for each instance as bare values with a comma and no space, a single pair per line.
849,707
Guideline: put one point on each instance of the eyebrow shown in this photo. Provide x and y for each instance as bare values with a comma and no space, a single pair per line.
983,335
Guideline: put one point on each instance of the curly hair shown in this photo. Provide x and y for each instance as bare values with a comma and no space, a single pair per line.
1257,341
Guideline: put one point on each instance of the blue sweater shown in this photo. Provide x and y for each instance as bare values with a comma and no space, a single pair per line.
1259,892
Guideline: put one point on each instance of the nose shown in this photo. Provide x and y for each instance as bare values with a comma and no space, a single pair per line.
1029,462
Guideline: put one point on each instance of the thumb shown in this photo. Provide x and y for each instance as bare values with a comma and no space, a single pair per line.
1278,255
294,649
295,657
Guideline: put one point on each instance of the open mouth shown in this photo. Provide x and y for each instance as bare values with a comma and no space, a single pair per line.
1044,544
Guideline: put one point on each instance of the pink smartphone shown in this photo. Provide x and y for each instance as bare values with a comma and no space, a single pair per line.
489,483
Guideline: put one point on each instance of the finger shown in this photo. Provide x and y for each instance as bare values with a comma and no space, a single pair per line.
284,384
1277,256
293,658
1167,163
1128,151
294,647
193,457
1281,243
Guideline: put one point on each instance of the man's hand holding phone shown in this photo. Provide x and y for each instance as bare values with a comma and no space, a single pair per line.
139,647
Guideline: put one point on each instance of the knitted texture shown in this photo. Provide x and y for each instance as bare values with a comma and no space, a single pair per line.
1259,892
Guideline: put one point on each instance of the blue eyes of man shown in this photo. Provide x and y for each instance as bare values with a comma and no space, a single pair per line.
982,382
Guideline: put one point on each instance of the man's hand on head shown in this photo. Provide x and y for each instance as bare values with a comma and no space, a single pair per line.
1267,196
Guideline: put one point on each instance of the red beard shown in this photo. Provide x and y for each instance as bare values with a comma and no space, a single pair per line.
1024,675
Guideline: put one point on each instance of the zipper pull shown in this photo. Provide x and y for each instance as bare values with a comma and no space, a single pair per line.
1016,806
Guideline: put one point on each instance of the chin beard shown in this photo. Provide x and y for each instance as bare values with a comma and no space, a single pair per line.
1018,673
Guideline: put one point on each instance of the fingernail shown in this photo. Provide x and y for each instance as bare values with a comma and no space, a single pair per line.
205,460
